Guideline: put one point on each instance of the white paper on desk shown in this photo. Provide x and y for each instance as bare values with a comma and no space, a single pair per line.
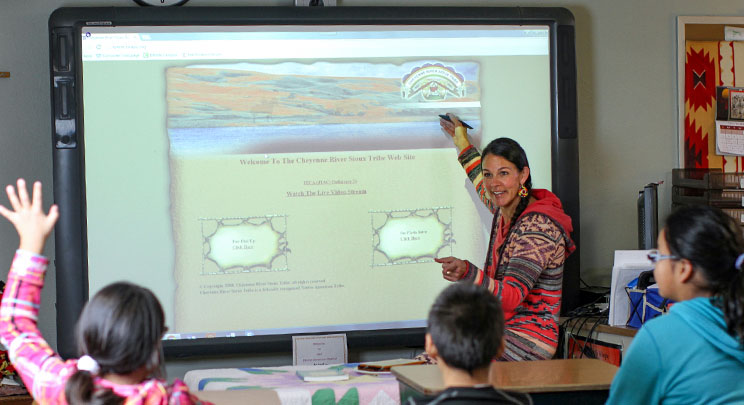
315,350
628,265
9,381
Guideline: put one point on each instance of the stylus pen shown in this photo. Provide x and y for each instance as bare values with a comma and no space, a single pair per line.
446,117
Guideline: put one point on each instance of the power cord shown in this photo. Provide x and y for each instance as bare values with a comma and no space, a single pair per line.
577,320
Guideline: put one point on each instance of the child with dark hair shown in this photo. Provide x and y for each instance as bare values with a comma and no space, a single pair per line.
119,331
695,353
465,332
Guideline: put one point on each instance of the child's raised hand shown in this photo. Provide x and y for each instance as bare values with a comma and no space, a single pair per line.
27,216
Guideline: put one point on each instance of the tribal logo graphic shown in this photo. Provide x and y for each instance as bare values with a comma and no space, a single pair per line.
433,82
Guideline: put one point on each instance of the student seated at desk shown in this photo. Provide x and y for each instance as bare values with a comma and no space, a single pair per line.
119,331
695,353
465,333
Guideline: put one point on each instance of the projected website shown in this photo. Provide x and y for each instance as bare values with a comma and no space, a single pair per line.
296,179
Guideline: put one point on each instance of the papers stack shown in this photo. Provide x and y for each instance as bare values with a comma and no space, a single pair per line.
329,374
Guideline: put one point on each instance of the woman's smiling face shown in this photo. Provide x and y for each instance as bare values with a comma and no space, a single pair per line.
503,180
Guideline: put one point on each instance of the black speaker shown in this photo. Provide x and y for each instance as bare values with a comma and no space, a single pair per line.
648,216
64,110
71,293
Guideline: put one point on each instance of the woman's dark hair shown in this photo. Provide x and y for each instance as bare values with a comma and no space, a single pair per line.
466,324
712,242
120,328
510,150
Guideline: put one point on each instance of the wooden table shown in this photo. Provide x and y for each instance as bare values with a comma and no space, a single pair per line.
16,400
620,330
14,395
583,381
608,343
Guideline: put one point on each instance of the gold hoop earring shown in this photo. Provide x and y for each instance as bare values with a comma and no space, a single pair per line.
523,193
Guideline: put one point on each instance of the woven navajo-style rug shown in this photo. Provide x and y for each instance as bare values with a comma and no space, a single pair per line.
709,64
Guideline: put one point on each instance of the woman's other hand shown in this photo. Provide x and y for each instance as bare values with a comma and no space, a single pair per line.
456,131
453,268
27,216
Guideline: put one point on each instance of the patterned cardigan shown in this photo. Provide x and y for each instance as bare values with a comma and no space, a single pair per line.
526,273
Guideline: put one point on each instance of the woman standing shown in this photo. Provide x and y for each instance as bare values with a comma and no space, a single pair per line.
527,249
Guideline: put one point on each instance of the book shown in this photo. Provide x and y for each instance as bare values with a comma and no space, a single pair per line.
329,374
385,366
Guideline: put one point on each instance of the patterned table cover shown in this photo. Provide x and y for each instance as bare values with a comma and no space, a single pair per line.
362,389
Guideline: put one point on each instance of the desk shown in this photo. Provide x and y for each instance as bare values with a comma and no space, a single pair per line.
280,385
14,395
16,400
587,326
584,381
606,342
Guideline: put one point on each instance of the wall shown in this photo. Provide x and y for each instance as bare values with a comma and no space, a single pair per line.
626,53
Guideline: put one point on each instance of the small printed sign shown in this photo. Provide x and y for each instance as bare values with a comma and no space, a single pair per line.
319,350
733,33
